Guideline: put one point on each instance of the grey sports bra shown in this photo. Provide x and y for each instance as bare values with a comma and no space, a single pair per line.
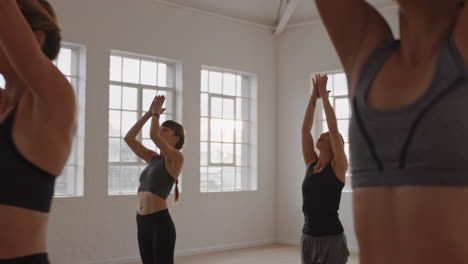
424,143
156,179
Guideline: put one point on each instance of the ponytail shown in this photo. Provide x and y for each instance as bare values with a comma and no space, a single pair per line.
177,194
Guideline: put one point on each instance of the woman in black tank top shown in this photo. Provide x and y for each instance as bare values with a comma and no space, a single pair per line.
323,239
37,120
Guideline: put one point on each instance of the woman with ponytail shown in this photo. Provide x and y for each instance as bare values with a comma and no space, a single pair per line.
156,231
37,121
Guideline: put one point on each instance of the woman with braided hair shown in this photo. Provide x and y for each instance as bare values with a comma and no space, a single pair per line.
156,231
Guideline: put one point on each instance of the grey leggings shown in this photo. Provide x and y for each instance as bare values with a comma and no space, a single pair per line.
324,249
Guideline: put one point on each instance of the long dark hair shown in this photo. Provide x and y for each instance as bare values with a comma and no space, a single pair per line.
179,131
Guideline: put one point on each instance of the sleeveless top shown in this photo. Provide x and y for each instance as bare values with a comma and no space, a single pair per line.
156,179
321,196
422,144
23,184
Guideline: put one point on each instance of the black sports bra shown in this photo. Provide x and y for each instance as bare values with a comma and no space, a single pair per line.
22,184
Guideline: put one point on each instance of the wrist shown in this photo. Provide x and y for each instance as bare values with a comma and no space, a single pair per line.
155,115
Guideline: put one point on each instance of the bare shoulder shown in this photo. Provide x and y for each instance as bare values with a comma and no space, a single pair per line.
356,30
339,168
58,108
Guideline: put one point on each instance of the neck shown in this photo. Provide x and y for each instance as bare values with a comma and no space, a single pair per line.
423,30
325,157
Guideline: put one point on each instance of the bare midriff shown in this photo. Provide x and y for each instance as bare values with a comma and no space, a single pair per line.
149,203
22,232
412,225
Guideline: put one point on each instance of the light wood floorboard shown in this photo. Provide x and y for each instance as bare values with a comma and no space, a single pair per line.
271,254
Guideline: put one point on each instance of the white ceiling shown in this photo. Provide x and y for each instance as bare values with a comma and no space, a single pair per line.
263,12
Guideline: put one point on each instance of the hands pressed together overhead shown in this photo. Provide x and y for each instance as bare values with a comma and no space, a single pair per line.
320,87
156,106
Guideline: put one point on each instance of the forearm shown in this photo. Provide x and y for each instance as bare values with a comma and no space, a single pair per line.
135,130
330,115
155,136
154,130
309,116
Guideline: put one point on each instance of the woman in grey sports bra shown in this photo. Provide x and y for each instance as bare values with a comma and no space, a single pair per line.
156,231
409,132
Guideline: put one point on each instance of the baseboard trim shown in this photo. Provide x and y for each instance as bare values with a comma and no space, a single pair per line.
224,247
188,252
123,260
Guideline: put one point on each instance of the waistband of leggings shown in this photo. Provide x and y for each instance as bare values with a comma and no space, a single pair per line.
309,237
157,214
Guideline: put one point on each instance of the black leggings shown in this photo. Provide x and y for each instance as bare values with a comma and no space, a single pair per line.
33,259
156,238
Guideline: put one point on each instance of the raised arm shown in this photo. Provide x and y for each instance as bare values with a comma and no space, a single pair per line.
171,153
339,162
138,148
356,30
23,50
308,148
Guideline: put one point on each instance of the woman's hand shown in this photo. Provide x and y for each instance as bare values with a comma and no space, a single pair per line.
322,81
156,106
315,92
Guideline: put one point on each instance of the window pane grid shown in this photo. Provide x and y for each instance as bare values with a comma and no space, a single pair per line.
225,128
134,81
222,178
69,184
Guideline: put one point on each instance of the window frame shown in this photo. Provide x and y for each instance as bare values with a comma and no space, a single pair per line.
77,78
172,66
246,94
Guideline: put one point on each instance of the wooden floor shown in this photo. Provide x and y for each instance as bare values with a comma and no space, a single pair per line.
272,254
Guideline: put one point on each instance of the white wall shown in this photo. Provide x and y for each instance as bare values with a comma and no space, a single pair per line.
98,228
301,51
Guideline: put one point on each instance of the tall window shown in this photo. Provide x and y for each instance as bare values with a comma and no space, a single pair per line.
337,84
226,122
134,82
71,62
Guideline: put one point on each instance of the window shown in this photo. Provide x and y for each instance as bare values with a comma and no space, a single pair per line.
226,153
338,85
134,82
2,82
71,62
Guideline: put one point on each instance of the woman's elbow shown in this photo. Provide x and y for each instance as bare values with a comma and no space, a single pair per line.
155,138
